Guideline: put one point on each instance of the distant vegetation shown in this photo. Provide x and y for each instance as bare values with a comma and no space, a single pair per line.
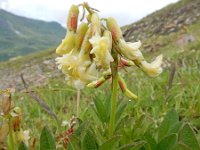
20,36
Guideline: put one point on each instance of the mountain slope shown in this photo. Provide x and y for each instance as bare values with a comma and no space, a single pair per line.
179,43
20,35
165,21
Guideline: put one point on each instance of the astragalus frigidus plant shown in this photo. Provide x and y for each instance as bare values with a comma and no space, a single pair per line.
94,51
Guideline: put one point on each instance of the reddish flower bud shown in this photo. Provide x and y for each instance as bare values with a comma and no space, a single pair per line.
114,29
125,90
72,19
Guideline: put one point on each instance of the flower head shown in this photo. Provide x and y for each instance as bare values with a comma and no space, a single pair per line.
102,49
89,54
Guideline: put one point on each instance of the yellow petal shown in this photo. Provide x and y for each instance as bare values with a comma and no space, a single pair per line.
114,28
102,49
153,69
130,50
82,29
67,44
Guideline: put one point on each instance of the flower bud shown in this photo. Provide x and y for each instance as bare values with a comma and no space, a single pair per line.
96,23
82,29
100,81
130,95
72,19
89,17
67,44
97,83
86,46
114,28
125,90
123,62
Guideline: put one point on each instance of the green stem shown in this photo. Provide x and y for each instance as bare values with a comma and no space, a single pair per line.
114,68
78,102
113,106
11,136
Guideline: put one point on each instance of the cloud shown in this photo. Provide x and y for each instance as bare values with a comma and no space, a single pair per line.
125,11
3,4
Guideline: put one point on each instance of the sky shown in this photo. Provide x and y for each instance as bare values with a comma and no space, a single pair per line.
125,11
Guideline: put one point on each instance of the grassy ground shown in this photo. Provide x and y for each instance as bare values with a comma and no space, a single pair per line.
157,96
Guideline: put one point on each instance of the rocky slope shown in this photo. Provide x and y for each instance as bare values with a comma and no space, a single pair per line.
170,19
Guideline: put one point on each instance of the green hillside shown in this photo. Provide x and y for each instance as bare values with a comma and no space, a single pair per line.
20,36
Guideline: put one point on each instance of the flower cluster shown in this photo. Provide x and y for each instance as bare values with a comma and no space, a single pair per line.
11,121
88,49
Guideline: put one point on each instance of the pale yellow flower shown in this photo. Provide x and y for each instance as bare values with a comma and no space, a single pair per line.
84,76
102,49
90,74
77,64
67,44
130,50
153,69
23,136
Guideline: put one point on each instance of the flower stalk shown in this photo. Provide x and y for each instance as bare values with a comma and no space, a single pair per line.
78,102
11,137
114,69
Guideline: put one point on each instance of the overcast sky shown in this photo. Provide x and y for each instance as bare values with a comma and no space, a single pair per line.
125,11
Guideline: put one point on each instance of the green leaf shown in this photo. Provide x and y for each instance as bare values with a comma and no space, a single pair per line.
100,109
167,143
89,142
81,130
120,109
181,146
46,140
110,143
74,143
187,136
134,145
107,104
22,146
175,128
151,142
169,121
